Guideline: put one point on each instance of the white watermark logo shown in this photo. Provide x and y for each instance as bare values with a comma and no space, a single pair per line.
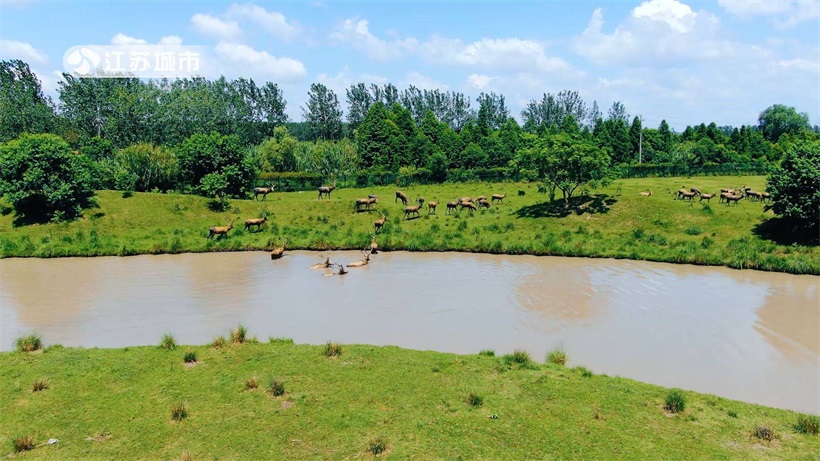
141,61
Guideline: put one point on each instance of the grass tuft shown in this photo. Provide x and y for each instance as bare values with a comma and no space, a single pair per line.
518,357
732,413
239,335
276,388
23,443
190,357
332,349
40,385
273,340
474,400
252,383
168,342
807,424
487,353
29,343
377,445
218,342
179,411
557,356
764,433
585,372
675,401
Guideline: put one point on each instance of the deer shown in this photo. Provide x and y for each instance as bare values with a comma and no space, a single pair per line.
420,200
695,190
431,207
278,252
263,191
363,262
413,209
464,199
733,198
483,203
469,205
220,230
765,196
680,193
326,190
401,196
365,202
752,194
451,206
707,197
498,197
687,195
645,193
256,222
480,198
374,246
380,223
323,265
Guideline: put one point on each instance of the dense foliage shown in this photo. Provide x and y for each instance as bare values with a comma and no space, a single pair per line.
795,185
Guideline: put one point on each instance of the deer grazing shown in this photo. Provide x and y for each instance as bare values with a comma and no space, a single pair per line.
413,209
220,230
431,207
765,196
480,198
483,203
645,193
420,200
256,222
451,206
326,190
469,205
498,197
380,223
753,195
365,202
401,196
464,199
278,252
263,191
363,262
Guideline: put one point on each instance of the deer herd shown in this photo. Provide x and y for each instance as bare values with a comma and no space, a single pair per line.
727,195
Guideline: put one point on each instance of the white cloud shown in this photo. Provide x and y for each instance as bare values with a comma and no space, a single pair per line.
214,27
260,62
422,82
122,39
13,49
786,13
171,40
675,14
479,82
273,22
340,82
357,33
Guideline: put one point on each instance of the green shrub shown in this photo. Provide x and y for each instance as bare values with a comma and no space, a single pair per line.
694,230
675,401
585,372
557,356
179,411
273,340
29,343
277,388
732,413
168,343
332,349
487,353
190,357
518,357
807,424
474,400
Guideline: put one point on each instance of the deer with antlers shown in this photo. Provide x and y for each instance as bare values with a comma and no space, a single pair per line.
278,252
498,197
379,223
323,265
362,262
263,191
326,190
431,207
256,222
365,202
401,196
220,230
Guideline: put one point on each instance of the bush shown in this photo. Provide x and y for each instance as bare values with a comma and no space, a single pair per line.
518,357
377,445
557,356
179,411
273,340
675,401
807,424
23,443
39,385
239,335
332,349
29,343
277,388
732,413
168,343
793,185
474,400
487,353
190,357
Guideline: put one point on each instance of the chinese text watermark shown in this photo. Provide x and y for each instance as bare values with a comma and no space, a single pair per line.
141,61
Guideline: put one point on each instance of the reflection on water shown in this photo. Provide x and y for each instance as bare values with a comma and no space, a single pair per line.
747,335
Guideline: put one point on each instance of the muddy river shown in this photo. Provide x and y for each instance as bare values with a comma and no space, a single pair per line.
746,335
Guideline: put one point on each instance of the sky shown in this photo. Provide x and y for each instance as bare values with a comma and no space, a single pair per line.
688,62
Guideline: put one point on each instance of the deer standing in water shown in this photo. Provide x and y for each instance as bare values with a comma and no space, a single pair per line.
220,230
326,190
263,191
374,246
278,252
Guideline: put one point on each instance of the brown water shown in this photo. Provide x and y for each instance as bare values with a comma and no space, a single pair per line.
747,335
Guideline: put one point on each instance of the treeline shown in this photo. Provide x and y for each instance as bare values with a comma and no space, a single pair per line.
146,134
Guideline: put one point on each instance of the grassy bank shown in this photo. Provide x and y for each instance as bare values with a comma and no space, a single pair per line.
609,222
118,403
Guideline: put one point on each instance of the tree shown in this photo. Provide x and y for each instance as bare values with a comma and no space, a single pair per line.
204,154
635,136
567,162
376,138
43,179
795,185
492,110
23,106
323,113
279,152
473,156
779,119
359,101
151,166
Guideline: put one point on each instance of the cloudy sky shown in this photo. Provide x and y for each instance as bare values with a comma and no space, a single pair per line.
684,61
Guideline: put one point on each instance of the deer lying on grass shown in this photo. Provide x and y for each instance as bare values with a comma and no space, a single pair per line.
401,196
263,191
220,230
278,252
363,262
451,206
645,193
499,197
256,222
707,197
326,190
431,207
365,202
380,223
413,209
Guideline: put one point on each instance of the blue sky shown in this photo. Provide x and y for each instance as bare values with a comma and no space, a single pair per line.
684,61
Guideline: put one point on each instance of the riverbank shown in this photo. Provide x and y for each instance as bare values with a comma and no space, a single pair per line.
117,404
613,222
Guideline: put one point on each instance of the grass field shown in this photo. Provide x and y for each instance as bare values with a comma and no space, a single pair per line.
609,222
118,403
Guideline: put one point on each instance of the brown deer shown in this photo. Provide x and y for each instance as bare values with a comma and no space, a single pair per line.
420,200
431,207
374,246
263,191
645,193
695,190
365,202
413,209
363,262
680,193
323,265
707,197
256,222
765,196
733,198
483,203
687,195
753,195
469,205
220,230
401,196
380,223
451,206
464,199
480,198
278,252
326,190
498,197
